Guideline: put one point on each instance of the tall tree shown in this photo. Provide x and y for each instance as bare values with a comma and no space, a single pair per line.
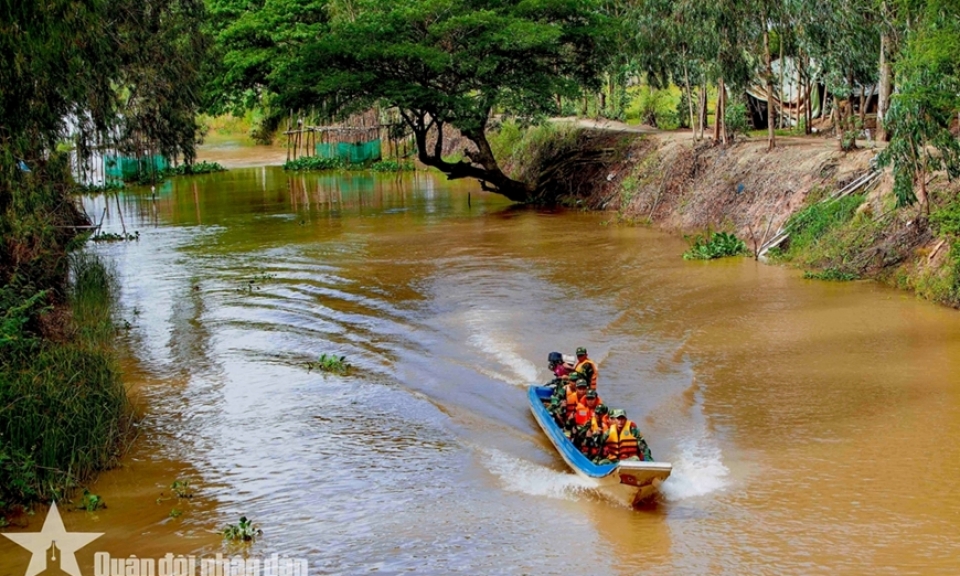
928,98
440,62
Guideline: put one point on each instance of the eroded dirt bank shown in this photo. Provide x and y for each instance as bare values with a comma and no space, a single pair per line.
670,182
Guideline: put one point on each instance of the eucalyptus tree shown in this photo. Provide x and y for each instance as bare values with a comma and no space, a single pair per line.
842,37
926,103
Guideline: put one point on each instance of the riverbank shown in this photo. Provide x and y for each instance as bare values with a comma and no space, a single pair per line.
64,412
670,182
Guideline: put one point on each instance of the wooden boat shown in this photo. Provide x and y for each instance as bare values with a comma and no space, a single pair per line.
631,480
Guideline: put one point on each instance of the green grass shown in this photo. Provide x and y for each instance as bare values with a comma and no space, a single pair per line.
522,150
392,166
64,413
831,274
811,227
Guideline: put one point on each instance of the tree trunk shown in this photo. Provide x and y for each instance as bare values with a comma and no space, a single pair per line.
771,127
723,112
686,81
718,114
703,109
886,74
482,166
782,72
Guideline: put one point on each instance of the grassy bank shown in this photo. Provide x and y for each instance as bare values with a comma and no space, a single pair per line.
858,237
64,412
744,188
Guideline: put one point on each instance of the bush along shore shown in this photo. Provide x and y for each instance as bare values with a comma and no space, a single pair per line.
64,413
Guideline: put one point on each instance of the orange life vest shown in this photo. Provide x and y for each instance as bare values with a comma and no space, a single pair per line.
572,402
584,413
593,375
621,445
602,423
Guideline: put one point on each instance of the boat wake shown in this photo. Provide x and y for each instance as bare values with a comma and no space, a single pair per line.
496,346
519,475
698,470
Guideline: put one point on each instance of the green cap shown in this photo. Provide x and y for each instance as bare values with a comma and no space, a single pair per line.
581,351
601,409
592,394
618,413
581,383
575,376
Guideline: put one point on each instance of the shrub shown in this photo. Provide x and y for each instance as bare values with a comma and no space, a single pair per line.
735,119
717,245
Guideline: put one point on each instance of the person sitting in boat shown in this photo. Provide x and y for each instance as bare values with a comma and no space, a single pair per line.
587,367
556,365
601,416
558,402
584,424
573,400
624,441
585,410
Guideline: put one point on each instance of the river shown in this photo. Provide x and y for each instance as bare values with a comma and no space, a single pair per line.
812,426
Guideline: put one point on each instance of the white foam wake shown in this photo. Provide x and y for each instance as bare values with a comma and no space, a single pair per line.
520,475
697,471
497,348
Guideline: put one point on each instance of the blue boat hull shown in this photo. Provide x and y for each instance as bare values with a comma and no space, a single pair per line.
639,480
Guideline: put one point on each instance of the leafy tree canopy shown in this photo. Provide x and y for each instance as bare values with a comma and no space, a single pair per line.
439,61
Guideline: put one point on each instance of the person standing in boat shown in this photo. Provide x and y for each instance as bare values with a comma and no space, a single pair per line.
624,441
587,367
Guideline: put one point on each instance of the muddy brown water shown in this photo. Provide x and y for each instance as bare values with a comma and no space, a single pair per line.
812,426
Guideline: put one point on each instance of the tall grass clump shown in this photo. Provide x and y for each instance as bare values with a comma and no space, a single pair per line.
810,229
523,151
64,413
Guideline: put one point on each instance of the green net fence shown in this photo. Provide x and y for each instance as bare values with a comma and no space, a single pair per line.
353,153
127,168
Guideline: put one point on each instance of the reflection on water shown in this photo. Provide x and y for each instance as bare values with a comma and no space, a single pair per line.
801,417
